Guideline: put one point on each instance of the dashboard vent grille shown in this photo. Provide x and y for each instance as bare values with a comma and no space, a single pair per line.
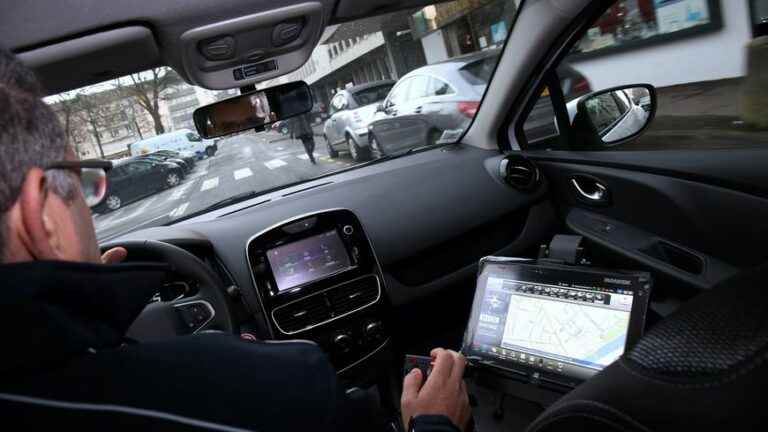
327,305
520,173
302,314
352,296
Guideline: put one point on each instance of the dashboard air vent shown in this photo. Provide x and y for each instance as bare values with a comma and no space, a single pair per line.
302,314
327,305
520,173
353,296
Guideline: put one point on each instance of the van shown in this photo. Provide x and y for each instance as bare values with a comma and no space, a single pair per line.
182,140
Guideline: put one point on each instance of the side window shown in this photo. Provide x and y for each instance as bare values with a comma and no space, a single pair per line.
419,87
438,87
710,75
399,93
338,102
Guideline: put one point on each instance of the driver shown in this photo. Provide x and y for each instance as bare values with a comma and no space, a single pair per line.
64,314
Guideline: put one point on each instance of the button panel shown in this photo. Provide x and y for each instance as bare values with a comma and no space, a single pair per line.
195,315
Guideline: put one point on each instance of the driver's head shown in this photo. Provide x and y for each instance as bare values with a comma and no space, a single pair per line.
43,215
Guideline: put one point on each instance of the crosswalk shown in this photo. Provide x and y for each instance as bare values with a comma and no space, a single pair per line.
207,177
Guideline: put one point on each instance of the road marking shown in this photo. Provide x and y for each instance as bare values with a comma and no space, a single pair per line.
138,211
178,211
279,148
306,156
274,163
180,191
210,184
326,158
242,173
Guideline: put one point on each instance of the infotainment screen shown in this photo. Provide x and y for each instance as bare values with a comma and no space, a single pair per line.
308,260
556,320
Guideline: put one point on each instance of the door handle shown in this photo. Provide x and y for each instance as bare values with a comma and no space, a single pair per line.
417,110
590,190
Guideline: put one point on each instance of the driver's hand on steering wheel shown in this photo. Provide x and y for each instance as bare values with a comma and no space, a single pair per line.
444,393
114,256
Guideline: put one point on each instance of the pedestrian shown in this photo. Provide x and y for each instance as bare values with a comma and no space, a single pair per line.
301,128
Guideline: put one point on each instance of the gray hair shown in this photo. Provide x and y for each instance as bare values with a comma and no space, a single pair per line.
30,136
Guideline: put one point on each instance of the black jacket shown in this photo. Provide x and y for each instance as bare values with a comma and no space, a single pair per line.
65,363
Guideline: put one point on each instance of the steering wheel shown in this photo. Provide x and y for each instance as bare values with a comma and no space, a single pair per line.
202,311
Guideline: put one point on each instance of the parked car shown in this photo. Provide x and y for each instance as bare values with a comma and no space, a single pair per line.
188,157
136,178
180,140
444,97
352,110
163,157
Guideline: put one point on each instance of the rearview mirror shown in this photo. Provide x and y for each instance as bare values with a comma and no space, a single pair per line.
253,110
617,114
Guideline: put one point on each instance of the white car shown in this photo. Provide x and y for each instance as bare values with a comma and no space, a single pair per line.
182,140
352,110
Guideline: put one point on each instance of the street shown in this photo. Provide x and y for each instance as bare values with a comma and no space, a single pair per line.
243,163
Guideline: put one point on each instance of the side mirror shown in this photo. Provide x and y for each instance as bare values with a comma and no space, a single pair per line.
253,110
380,107
613,116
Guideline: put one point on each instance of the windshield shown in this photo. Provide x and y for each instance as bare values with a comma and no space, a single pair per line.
414,77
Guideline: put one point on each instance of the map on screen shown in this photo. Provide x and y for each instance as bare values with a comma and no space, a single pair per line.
591,335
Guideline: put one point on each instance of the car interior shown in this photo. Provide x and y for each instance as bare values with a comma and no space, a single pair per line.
414,245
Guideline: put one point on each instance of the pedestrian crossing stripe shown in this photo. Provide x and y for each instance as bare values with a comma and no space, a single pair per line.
274,163
242,173
306,156
180,191
209,184
178,211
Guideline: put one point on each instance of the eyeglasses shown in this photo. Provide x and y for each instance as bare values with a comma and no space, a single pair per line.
93,177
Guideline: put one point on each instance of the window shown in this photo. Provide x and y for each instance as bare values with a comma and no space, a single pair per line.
372,95
193,137
400,93
707,84
633,23
418,87
438,87
338,103
114,133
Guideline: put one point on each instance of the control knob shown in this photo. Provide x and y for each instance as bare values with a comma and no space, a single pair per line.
373,330
342,342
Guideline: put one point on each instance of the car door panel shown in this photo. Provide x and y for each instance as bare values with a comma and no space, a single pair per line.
694,222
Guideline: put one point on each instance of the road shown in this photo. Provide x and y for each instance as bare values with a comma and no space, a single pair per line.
243,163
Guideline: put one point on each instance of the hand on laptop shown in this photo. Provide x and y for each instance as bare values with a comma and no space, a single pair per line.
444,393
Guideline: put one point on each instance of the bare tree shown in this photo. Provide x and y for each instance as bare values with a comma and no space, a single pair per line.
65,106
146,88
94,111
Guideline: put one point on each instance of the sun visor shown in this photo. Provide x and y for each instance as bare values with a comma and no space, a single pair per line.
93,58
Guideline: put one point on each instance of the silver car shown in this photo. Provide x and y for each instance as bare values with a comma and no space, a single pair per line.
352,110
438,101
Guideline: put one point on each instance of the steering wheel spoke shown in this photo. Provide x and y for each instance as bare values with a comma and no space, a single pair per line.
181,313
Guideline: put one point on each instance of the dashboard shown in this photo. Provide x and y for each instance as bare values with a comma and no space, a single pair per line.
378,237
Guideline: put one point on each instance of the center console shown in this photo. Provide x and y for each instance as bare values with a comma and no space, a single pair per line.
318,278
